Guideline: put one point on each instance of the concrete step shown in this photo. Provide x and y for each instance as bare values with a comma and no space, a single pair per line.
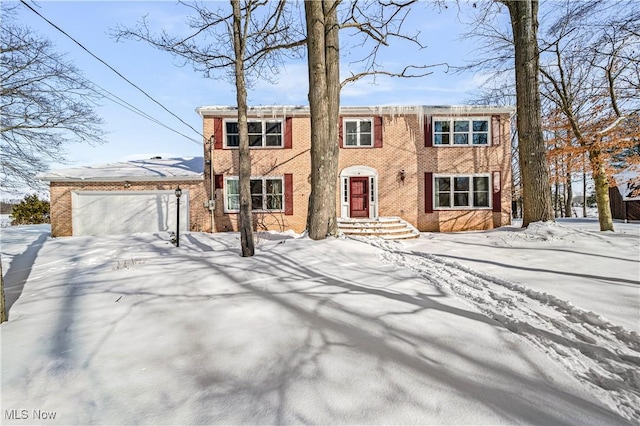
371,231
388,228
384,225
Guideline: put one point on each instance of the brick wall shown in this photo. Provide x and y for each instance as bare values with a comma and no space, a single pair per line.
265,162
61,206
403,148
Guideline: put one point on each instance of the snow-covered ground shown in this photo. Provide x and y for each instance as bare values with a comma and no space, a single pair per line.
536,326
5,220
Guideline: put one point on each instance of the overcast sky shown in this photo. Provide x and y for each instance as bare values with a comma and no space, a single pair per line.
181,89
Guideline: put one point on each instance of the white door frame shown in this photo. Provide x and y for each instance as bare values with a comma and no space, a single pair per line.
360,171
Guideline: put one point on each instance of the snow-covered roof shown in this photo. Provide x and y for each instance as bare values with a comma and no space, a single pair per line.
628,183
154,169
302,110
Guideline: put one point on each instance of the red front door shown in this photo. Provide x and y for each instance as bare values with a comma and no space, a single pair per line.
359,202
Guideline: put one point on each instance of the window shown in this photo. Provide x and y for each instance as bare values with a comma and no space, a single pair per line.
262,134
461,192
266,194
358,132
461,131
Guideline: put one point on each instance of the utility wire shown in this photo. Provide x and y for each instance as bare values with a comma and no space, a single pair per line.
108,66
106,93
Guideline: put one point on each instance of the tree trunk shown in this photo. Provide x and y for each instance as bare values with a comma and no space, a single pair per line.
245,220
602,190
584,187
536,192
3,306
569,199
556,191
324,104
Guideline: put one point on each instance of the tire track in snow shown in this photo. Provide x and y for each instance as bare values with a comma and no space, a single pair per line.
603,355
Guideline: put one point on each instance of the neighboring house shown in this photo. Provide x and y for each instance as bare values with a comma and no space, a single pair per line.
439,168
624,198
128,197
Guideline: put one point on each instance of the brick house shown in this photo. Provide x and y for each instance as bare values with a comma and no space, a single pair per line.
439,168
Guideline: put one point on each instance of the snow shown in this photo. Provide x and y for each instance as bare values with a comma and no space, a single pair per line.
184,168
132,330
628,182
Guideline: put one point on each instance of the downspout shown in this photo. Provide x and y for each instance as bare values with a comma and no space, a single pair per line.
211,201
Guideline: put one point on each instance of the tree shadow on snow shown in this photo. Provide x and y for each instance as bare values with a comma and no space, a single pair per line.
19,271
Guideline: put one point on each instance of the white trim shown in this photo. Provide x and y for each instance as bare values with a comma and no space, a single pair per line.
263,178
131,192
131,179
264,140
274,111
452,133
470,192
358,120
358,171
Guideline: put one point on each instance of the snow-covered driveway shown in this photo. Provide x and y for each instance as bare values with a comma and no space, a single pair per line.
131,330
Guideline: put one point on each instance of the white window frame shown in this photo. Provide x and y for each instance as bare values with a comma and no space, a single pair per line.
264,123
452,131
264,179
358,120
470,192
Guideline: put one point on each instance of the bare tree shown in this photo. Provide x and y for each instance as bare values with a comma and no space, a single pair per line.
376,23
589,73
45,103
242,45
590,77
502,45
324,104
534,170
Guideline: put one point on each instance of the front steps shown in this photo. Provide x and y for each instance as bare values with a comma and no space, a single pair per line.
388,228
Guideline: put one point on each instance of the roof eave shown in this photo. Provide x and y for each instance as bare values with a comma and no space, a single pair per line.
122,179
297,110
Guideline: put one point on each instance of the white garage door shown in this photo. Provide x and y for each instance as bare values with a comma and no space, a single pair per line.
127,212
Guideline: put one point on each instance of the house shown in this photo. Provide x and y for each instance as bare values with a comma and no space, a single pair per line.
624,197
440,168
128,197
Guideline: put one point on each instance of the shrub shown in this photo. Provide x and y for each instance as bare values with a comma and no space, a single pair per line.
30,211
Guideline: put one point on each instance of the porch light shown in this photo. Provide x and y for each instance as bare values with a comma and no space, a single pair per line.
402,175
178,194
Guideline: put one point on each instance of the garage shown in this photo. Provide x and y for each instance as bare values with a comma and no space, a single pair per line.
129,197
127,212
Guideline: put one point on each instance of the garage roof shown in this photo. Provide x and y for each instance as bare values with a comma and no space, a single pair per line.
154,169
628,182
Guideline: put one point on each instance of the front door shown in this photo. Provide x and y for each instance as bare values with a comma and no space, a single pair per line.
359,202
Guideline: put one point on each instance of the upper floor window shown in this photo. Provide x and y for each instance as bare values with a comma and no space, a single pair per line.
262,134
267,194
461,192
461,131
358,132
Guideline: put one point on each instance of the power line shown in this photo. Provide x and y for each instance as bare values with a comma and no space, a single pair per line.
105,93
108,66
